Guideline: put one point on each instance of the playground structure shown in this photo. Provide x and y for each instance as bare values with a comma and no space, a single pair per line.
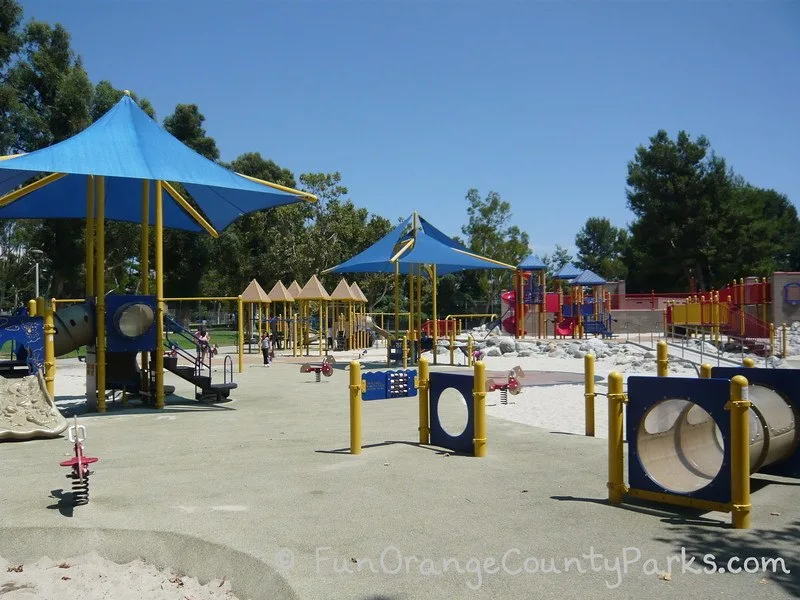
428,386
325,368
79,465
695,442
130,158
419,251
575,315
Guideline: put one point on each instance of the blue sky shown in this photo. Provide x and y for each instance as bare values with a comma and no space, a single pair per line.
414,102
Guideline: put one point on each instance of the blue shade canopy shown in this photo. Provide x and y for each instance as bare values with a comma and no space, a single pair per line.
568,271
532,263
424,244
588,277
126,146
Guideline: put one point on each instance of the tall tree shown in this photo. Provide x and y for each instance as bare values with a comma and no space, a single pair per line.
10,43
187,254
601,248
490,233
695,218
681,195
53,95
556,261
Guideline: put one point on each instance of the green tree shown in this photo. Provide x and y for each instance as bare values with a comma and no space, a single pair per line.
187,254
601,248
106,96
52,99
695,218
489,233
556,261
680,194
10,43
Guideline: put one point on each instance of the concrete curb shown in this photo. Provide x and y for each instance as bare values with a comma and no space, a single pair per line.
249,577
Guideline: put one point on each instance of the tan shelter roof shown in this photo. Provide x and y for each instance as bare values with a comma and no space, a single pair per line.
254,293
279,293
313,290
356,291
343,293
294,289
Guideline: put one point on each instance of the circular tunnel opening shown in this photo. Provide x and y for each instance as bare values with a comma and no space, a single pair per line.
133,320
452,412
680,446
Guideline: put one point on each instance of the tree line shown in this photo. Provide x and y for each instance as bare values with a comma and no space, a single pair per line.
693,216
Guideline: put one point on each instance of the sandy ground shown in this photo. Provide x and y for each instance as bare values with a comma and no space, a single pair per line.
554,408
91,577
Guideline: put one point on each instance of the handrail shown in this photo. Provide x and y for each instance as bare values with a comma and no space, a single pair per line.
175,327
492,316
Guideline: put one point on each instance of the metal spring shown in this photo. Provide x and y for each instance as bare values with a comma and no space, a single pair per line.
80,490
504,395
318,376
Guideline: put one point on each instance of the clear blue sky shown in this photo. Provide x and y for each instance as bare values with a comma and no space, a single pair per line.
415,102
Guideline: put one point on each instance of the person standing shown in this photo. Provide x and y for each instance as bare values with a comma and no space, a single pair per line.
266,347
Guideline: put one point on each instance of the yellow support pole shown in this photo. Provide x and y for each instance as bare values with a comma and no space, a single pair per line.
784,341
740,453
40,306
100,291
240,333
159,259
145,267
355,407
662,358
32,307
90,236
616,398
452,347
469,351
396,301
705,371
772,339
323,331
479,400
435,317
748,363
424,388
405,352
49,350
589,395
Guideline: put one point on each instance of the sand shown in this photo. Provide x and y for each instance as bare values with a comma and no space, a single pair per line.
91,577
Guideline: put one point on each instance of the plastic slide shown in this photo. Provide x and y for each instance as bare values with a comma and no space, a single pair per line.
379,330
566,327
509,319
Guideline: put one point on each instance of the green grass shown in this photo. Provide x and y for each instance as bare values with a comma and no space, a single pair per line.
220,337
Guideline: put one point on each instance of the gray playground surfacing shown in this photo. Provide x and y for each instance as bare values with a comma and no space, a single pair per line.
262,490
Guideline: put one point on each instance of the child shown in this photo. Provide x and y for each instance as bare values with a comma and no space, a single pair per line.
266,347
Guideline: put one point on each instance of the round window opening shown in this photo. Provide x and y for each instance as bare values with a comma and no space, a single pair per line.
452,412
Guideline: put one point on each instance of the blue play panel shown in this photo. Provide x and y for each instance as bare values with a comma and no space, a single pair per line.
463,383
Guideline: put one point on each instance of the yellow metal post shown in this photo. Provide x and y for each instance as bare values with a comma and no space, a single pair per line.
32,307
616,398
784,342
662,351
355,407
748,363
49,349
435,317
240,309
159,260
469,352
396,300
40,306
589,395
90,236
405,352
452,346
740,453
323,330
424,388
145,267
705,371
100,291
479,399
772,339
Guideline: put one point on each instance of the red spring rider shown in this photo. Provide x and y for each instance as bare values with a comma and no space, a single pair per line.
79,464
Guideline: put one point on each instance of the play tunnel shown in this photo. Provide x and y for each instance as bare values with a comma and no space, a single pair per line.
679,430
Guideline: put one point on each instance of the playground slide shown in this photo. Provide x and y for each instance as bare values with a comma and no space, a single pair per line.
566,327
509,319
379,330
